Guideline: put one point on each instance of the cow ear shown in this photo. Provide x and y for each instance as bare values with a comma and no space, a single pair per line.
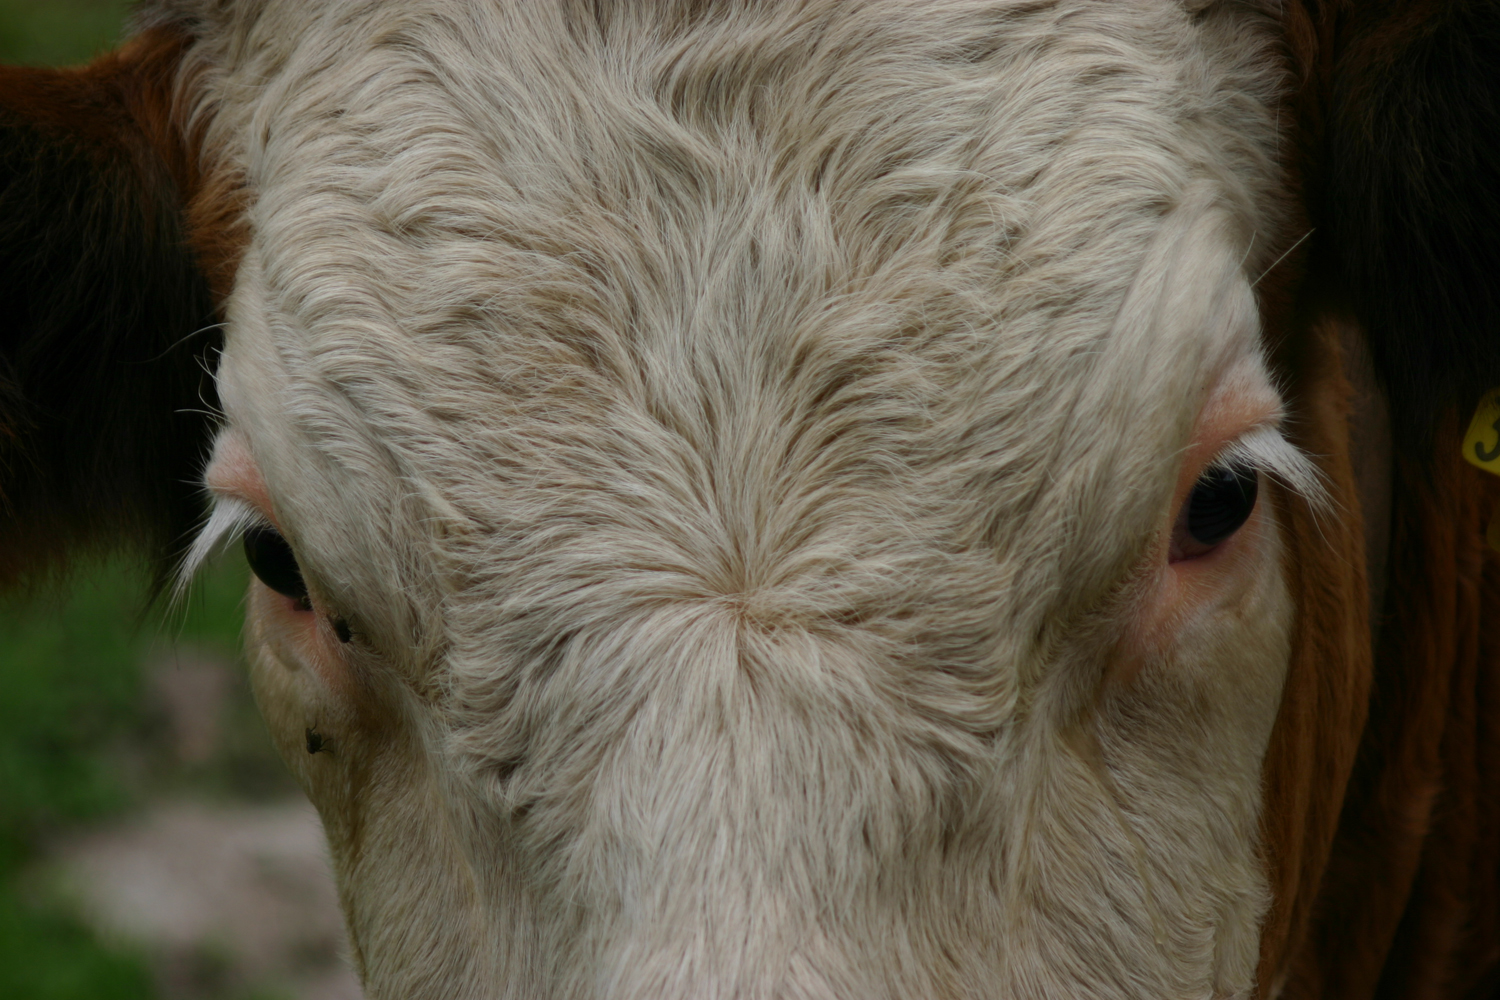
105,318
1413,197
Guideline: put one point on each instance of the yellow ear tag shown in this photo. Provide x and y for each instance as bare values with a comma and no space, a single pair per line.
1482,448
1482,443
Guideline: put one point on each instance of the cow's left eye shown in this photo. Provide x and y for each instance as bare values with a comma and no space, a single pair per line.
272,561
1221,502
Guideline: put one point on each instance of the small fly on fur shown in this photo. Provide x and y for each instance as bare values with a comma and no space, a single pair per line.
317,742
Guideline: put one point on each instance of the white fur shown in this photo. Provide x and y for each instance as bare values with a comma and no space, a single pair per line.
735,434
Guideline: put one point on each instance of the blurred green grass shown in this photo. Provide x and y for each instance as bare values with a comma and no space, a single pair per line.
73,718
58,32
72,670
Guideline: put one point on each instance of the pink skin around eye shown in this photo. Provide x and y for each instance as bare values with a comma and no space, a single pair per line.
1181,583
298,633
233,473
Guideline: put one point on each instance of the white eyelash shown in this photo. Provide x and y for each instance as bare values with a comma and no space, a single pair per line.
1266,450
228,519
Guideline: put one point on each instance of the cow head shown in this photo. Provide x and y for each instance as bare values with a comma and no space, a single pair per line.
766,500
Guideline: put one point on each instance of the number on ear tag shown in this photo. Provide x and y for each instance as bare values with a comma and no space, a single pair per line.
1482,443
1482,448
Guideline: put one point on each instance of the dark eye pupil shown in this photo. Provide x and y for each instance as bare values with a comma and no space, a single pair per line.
271,560
1220,503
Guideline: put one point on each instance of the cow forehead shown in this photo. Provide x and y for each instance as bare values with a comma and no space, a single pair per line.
739,295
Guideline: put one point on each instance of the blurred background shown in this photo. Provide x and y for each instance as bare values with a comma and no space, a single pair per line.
152,845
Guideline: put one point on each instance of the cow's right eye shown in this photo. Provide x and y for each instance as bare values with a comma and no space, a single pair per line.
272,561
1221,502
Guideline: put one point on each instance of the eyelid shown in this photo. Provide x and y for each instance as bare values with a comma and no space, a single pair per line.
232,473
1265,450
239,502
228,493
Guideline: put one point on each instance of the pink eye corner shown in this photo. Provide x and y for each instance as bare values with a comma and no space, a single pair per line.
1219,504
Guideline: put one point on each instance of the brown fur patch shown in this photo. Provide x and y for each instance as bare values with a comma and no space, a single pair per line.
158,96
1401,901
1406,907
1409,908
136,99
1328,679
107,316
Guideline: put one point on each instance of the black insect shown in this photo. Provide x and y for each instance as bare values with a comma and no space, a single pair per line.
317,742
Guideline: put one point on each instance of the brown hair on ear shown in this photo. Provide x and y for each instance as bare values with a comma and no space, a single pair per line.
1313,747
108,322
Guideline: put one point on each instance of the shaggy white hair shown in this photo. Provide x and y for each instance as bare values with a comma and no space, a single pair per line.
732,430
